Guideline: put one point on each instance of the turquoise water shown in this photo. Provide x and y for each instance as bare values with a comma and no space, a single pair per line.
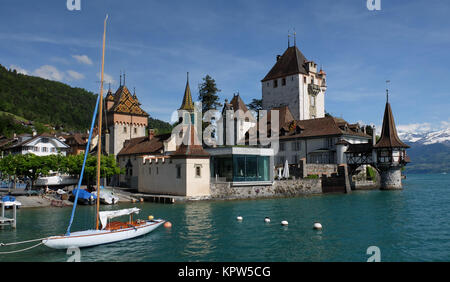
408,225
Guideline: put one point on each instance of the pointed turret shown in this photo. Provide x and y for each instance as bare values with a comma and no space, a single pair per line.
389,137
187,103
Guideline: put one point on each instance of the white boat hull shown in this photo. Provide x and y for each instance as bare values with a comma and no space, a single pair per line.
91,238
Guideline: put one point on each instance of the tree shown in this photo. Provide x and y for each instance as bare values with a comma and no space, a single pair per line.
255,105
207,94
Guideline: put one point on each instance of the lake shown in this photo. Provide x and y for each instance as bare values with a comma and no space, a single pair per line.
408,225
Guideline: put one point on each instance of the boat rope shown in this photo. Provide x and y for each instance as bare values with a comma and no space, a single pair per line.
22,242
22,250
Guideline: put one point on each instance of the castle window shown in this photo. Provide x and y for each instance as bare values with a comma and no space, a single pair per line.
124,129
281,147
275,83
304,79
198,171
283,81
135,130
178,171
313,101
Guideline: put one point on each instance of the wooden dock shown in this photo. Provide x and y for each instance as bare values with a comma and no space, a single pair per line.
163,199
4,221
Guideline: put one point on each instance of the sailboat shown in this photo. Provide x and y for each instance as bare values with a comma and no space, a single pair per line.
106,231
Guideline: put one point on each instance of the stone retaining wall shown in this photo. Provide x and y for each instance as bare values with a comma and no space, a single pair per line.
282,188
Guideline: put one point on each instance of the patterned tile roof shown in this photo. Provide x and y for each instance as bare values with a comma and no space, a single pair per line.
125,103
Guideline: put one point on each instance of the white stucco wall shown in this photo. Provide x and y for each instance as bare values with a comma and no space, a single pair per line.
158,176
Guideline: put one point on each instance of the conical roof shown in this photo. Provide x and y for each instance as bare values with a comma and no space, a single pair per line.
389,137
187,103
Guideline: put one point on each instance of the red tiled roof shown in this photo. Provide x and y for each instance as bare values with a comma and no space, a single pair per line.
144,145
192,150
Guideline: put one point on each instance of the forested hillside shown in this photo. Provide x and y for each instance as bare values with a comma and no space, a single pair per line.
45,101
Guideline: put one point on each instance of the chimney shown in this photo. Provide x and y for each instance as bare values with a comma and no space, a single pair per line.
278,57
374,134
151,134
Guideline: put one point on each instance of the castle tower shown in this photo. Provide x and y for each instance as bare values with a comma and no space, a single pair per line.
391,153
124,118
295,82
188,114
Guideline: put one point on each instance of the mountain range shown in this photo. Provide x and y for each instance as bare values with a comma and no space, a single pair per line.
429,152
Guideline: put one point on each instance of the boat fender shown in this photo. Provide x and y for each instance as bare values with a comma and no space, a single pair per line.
284,222
267,219
239,218
167,224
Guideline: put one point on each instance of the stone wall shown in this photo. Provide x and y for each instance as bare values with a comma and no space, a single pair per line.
283,188
305,169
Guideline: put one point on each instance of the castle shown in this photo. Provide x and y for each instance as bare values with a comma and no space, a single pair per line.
307,137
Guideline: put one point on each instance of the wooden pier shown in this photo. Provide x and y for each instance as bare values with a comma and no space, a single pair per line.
4,221
163,199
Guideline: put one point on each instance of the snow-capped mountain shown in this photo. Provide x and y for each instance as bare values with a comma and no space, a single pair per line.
426,138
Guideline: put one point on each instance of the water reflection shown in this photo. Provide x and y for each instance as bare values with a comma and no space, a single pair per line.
197,234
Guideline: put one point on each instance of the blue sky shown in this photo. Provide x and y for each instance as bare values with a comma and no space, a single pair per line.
236,42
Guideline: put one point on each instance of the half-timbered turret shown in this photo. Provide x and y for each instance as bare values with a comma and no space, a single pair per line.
390,152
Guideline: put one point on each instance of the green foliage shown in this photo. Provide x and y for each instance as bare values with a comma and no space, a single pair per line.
371,175
255,105
207,94
312,176
160,127
45,101
33,167
9,125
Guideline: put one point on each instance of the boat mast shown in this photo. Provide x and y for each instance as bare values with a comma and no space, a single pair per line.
99,146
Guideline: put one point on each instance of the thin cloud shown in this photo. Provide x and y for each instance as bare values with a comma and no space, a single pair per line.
82,59
18,69
49,72
73,75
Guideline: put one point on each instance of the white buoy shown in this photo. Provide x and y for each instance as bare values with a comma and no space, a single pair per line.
267,219
284,222
239,218
317,225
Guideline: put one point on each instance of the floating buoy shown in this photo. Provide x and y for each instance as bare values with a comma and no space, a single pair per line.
141,199
267,219
167,224
284,222
150,217
239,218
317,225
